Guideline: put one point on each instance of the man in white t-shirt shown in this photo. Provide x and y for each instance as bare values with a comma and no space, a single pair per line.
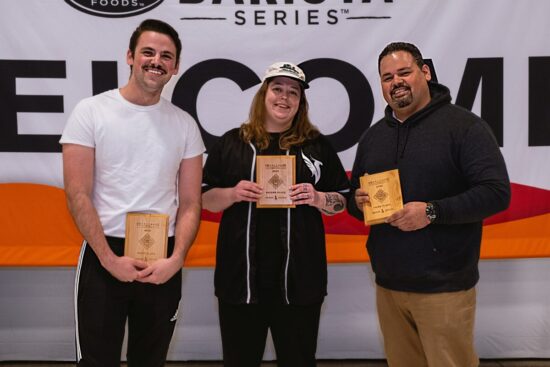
131,150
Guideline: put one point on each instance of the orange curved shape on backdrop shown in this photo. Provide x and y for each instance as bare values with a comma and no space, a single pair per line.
522,238
37,230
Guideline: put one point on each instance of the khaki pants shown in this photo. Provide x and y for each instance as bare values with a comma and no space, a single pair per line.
428,329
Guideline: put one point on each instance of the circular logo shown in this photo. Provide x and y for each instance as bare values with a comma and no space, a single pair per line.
381,195
114,8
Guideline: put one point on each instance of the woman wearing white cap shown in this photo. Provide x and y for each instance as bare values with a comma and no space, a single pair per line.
271,269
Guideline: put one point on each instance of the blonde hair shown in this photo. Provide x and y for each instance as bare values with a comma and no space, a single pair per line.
254,130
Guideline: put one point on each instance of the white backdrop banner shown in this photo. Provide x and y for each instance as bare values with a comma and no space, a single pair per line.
493,55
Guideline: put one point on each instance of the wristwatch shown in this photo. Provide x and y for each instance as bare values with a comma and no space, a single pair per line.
430,212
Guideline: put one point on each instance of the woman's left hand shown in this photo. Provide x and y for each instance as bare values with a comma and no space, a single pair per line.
305,193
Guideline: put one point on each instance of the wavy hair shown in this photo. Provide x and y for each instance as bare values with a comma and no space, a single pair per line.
254,130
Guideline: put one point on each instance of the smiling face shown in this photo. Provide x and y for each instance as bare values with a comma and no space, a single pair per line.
153,62
404,83
282,101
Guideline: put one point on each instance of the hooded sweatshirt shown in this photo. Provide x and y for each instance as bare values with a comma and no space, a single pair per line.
241,253
445,155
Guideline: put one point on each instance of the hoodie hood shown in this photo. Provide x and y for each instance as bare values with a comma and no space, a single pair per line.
440,95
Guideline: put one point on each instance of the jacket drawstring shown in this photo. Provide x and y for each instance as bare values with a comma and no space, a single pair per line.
407,129
397,144
406,140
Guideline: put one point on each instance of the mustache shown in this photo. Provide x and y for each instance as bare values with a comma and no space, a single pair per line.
154,66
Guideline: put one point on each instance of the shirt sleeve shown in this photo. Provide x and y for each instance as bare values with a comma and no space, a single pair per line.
212,173
485,172
80,126
335,179
194,145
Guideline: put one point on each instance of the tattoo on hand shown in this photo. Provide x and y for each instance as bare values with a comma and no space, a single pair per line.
333,201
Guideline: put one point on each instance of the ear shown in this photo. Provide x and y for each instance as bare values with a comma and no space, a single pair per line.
427,73
129,57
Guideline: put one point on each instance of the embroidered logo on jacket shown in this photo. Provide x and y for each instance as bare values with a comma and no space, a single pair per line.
314,166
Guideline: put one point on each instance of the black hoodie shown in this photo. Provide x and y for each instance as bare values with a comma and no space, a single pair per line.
447,155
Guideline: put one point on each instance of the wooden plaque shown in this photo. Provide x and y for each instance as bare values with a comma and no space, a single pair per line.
384,191
146,236
275,174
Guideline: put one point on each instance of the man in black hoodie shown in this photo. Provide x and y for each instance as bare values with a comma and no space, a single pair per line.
426,255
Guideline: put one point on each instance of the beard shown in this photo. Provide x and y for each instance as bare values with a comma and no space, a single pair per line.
404,100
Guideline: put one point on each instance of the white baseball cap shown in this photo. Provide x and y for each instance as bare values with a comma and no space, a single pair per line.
287,69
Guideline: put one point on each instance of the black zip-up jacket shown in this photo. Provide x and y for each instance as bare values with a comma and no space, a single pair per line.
304,271
445,155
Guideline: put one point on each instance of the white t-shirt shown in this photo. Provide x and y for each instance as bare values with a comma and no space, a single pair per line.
138,151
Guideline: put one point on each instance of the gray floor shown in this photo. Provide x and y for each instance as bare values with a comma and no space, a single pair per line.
332,363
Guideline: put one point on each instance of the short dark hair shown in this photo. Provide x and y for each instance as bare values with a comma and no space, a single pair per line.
402,46
155,25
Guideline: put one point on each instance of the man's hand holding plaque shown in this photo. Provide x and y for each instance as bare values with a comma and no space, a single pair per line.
146,236
384,190
275,174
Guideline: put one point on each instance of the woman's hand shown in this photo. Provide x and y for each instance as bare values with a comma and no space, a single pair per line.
246,191
305,193
329,203
221,198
